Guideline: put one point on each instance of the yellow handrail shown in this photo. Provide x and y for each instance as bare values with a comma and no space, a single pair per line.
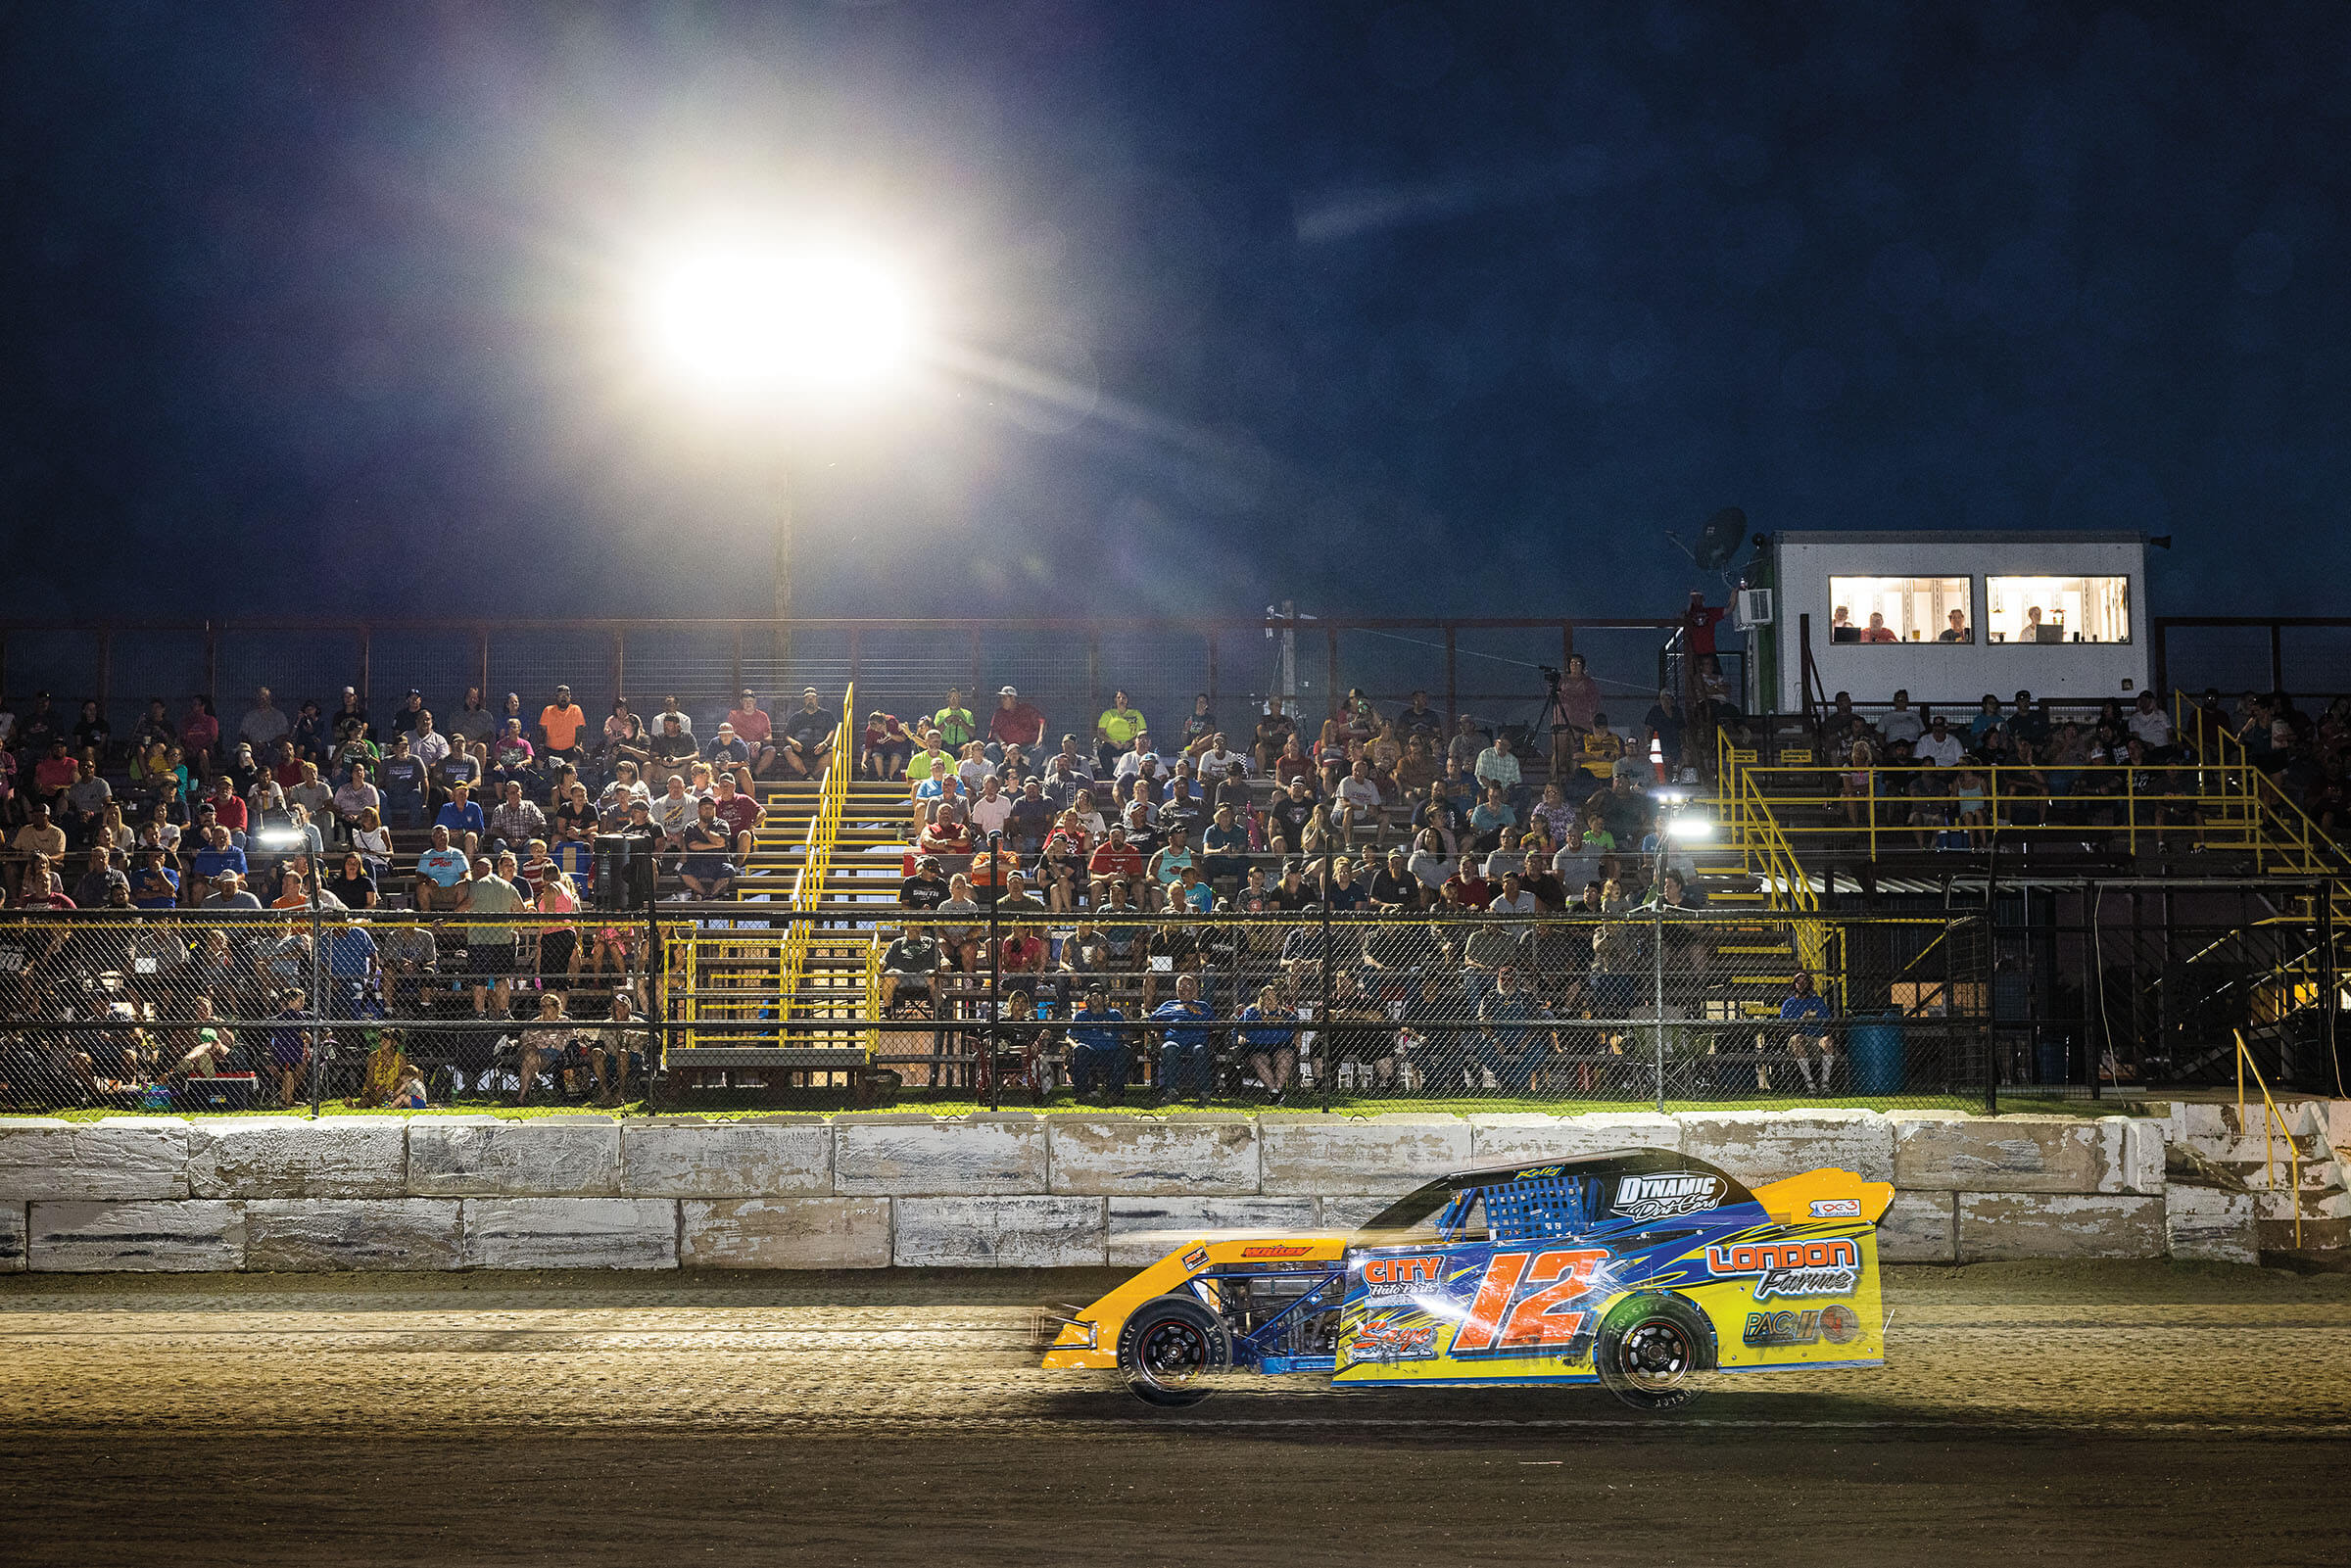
816,859
873,995
2273,1128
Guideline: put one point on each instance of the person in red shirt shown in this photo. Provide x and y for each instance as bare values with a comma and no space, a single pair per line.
739,811
754,728
1114,860
1466,887
1697,624
1016,723
286,768
227,809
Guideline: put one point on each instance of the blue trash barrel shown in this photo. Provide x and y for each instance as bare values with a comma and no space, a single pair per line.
2051,1052
1876,1050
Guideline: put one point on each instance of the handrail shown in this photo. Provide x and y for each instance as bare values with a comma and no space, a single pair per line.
2273,1127
816,859
873,995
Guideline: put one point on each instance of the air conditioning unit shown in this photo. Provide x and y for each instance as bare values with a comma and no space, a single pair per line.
1751,607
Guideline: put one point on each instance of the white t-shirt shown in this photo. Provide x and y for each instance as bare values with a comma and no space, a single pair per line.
1942,753
1216,764
990,816
1901,723
2155,728
1360,793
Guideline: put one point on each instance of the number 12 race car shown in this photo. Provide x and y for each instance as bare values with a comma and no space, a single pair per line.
1645,1270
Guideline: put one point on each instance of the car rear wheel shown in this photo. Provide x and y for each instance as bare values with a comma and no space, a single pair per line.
1654,1352
1168,1348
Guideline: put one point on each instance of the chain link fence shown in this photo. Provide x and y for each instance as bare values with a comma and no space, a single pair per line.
1017,1004
196,1011
1628,1008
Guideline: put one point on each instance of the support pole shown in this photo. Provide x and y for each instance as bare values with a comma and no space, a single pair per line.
995,968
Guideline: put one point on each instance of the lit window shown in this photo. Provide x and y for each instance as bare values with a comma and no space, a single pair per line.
2059,609
1899,610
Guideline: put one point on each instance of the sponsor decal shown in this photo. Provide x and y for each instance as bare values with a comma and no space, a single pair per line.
1790,1267
1401,1276
1838,1325
1664,1197
1836,1209
1537,1173
1275,1252
1195,1259
1386,1341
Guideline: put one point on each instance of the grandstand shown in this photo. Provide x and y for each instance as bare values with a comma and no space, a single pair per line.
2083,917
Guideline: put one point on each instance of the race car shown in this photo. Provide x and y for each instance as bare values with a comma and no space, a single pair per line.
1644,1269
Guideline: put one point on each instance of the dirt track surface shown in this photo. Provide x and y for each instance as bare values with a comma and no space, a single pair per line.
2085,1413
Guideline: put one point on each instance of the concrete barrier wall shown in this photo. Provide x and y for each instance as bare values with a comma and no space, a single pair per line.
1012,1190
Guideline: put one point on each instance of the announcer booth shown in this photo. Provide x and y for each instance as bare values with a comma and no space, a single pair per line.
1950,616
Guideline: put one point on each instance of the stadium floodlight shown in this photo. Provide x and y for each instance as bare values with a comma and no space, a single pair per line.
763,321
1689,827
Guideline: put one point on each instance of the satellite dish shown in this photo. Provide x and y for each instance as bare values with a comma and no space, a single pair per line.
1720,541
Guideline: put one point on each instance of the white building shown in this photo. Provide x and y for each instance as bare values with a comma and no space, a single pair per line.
1950,616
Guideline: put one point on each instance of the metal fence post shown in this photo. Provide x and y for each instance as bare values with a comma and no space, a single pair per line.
656,1005
318,1051
1330,1061
1657,961
2326,983
995,966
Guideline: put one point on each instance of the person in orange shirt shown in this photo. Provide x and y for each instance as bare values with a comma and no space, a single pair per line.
560,725
754,728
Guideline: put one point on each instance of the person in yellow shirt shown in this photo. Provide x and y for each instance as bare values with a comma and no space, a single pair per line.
1602,747
560,725
1115,730
957,728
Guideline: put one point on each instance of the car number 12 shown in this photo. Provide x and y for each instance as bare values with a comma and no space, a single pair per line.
1522,1302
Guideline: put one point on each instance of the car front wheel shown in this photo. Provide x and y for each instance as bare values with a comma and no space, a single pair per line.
1168,1348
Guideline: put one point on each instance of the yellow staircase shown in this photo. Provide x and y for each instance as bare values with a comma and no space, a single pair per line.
779,977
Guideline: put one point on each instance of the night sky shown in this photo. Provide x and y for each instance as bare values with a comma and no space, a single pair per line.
1387,307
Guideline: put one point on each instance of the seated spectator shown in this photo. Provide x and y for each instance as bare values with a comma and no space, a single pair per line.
943,832
1394,890
911,967
728,750
1114,865
214,858
561,724
440,872
1469,743
1490,821
739,810
671,811
1115,731
887,746
153,883
373,843
674,748
429,745
1029,819
1286,818
53,776
351,886
613,805
86,799
706,872
401,783
1224,850
1274,731
459,766
1015,723
925,889
354,800
1216,759
514,821
463,819
807,737
1359,805
512,755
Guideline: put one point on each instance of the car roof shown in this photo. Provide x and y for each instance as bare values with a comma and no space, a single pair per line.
1614,1163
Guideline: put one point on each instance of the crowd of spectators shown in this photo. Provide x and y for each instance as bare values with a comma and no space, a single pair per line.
481,822
1396,812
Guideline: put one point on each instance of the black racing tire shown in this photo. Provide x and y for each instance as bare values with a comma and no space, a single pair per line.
1655,1352
1169,1347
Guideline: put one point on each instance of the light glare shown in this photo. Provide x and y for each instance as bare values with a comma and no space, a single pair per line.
740,318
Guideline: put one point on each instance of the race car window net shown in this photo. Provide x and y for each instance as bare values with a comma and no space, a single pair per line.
1541,1209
